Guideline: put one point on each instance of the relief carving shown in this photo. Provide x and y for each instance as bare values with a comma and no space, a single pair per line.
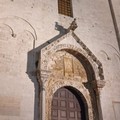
66,65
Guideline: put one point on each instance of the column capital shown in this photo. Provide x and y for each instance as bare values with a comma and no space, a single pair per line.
42,75
98,85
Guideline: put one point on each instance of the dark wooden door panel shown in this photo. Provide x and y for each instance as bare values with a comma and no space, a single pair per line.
65,106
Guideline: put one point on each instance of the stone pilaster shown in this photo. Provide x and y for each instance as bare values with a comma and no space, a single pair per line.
97,86
42,78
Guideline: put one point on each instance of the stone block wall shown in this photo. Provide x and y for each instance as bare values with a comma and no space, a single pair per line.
25,25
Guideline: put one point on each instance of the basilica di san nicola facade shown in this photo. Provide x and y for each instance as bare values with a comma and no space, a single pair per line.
59,60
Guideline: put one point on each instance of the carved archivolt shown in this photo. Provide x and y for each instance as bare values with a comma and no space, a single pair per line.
64,70
50,53
53,84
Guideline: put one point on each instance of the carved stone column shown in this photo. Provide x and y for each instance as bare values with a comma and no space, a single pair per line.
42,79
42,102
100,85
97,86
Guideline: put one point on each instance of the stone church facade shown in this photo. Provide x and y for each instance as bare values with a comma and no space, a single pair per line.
59,60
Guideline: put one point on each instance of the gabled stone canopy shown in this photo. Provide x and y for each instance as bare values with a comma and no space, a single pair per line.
68,44
71,43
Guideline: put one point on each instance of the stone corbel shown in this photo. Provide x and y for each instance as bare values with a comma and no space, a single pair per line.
98,85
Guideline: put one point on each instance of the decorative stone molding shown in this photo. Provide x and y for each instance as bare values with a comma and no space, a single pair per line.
90,54
73,25
100,85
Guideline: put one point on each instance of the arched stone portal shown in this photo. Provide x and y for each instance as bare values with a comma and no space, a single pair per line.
69,65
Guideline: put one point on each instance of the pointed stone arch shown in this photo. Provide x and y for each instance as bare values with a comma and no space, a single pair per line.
49,83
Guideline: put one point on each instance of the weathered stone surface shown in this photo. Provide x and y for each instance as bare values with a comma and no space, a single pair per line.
116,107
9,106
26,25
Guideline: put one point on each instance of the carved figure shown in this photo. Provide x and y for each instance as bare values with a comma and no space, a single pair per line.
73,25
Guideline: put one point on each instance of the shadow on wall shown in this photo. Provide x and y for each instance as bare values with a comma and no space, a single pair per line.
33,57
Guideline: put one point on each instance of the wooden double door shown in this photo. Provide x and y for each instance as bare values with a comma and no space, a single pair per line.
65,106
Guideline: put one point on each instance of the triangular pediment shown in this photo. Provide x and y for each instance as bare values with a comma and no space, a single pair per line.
71,41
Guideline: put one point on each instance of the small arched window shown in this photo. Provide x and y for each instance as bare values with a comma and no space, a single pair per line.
65,7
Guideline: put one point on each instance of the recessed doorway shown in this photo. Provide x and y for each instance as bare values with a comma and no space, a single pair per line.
67,105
